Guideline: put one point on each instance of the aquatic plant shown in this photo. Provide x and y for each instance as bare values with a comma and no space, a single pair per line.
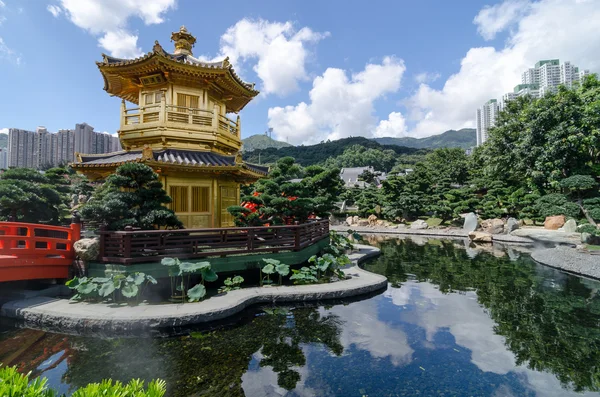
100,288
274,266
232,284
15,384
180,272
305,275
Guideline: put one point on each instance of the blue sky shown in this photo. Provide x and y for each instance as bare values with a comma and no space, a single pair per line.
326,69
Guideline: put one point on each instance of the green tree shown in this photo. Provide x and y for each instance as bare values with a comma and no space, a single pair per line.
132,196
26,195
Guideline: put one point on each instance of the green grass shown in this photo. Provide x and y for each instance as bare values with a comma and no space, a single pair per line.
593,247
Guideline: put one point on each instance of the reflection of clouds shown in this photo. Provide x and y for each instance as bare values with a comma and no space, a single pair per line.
365,331
472,328
262,381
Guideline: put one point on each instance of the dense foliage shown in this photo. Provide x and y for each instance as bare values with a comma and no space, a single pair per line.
541,159
132,196
291,193
27,195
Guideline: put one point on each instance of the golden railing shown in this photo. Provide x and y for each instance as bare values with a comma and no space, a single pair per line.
162,113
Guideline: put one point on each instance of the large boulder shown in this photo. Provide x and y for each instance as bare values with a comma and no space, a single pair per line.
363,222
480,237
419,224
511,224
554,222
349,221
87,249
493,226
372,220
355,220
570,226
470,224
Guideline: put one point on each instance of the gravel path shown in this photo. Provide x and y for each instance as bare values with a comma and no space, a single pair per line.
570,260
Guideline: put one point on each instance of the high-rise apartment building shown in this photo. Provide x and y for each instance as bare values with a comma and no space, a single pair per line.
3,158
42,149
536,82
486,119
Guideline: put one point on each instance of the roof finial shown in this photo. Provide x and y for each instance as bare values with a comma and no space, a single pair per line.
184,41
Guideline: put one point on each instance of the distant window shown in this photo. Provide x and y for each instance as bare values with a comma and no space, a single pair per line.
200,199
179,195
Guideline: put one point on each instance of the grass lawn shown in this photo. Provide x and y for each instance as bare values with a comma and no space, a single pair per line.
593,247
433,222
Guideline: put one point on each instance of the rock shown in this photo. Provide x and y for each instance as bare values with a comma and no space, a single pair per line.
381,223
87,249
554,222
355,220
570,226
470,224
480,237
419,224
511,224
393,227
372,220
588,238
363,222
493,226
349,221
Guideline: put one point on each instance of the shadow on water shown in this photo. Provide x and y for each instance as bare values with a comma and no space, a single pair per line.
454,321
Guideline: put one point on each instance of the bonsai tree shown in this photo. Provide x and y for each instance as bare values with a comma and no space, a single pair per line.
27,195
132,196
579,186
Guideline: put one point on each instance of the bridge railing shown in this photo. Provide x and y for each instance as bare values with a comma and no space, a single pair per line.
135,246
33,240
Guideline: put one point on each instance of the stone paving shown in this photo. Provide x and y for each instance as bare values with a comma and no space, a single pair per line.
81,317
569,259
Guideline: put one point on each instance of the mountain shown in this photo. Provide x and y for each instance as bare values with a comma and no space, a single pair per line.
3,140
261,142
318,154
464,138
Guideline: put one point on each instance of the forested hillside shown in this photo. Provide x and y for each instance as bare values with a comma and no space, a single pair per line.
322,152
255,142
464,138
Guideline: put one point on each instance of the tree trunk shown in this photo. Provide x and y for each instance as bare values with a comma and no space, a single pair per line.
587,216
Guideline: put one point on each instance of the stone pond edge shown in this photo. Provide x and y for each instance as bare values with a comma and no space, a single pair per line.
67,316
569,260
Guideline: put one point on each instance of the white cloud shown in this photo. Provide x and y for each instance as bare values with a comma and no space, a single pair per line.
427,77
108,19
3,130
394,126
2,17
280,51
492,20
8,53
546,31
54,10
339,106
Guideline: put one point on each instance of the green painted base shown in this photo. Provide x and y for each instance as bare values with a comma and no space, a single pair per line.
219,264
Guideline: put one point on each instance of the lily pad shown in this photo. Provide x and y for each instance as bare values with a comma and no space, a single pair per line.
209,275
268,269
169,261
196,293
129,290
282,269
106,289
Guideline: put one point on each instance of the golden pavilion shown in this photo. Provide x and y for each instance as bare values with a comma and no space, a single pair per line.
180,128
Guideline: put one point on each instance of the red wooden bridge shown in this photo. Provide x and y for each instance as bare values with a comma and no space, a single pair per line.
29,251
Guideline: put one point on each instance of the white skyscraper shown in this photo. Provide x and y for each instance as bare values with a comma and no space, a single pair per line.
3,158
486,119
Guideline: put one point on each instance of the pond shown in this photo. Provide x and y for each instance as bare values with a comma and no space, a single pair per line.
453,322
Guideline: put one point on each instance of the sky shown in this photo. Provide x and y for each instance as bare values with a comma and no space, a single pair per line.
325,69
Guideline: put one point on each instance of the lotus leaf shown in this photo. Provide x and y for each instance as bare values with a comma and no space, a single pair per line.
139,278
209,275
238,280
196,293
129,290
169,261
73,283
273,262
151,279
106,289
268,269
282,269
100,280
87,288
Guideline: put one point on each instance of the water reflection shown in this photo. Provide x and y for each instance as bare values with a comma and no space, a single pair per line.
451,323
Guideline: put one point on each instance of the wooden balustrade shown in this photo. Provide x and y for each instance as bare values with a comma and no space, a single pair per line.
179,114
135,246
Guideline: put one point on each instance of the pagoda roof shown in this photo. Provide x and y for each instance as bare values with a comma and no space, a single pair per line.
121,76
189,159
